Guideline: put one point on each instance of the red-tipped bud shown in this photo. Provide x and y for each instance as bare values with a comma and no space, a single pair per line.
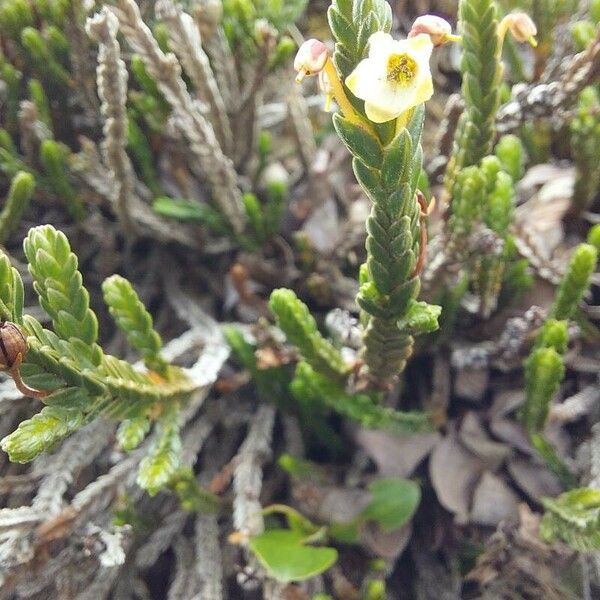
438,29
310,59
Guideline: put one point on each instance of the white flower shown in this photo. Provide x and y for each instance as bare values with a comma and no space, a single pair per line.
395,77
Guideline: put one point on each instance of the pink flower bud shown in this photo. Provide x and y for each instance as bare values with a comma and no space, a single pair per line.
522,27
438,29
310,59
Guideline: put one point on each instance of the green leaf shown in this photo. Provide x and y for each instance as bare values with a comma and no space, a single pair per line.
41,55
131,432
511,153
285,557
345,533
192,496
41,432
544,371
256,219
393,503
19,195
369,179
190,211
576,281
295,520
163,460
395,160
421,318
295,320
69,397
54,159
362,144
134,320
553,461
554,334
481,68
362,408
11,291
59,284
593,236
573,517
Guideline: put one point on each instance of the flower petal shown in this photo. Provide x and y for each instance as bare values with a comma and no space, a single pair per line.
367,80
425,91
359,82
422,44
378,114
380,46
388,99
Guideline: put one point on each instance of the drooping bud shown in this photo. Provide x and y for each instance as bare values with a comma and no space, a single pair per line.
438,29
12,344
310,59
521,27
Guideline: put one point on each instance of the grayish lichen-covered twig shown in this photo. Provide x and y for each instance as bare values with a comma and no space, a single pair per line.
208,15
551,99
577,406
595,480
111,76
80,58
185,585
76,453
89,168
208,159
208,557
161,539
247,477
33,131
184,36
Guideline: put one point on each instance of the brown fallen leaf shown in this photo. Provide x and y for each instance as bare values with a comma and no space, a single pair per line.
534,479
389,545
493,502
474,437
454,472
396,455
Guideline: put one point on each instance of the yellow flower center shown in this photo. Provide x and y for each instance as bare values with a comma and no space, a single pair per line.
401,69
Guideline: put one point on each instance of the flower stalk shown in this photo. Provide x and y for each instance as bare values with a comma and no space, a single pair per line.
381,126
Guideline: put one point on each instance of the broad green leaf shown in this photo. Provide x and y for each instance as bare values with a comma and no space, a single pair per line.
283,554
362,144
393,504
